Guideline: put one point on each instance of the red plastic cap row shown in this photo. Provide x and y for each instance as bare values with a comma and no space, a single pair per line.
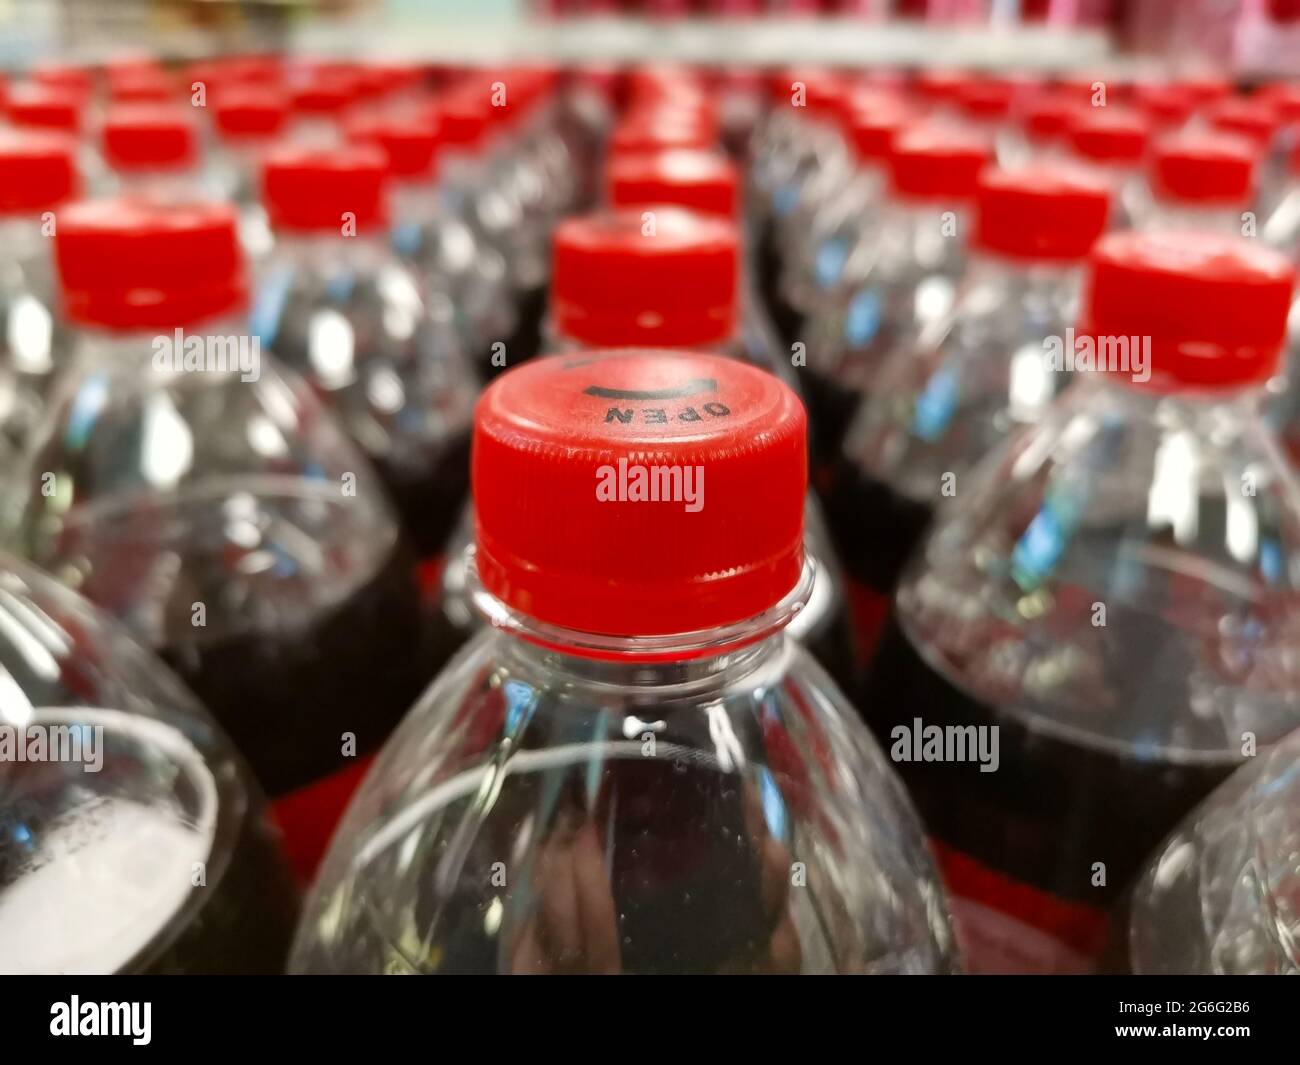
937,163
314,189
149,137
1051,213
1166,104
699,180
464,117
871,127
131,264
1047,117
1215,308
653,276
1112,136
1204,169
550,546
44,107
410,143
38,171
249,111
660,129
1254,117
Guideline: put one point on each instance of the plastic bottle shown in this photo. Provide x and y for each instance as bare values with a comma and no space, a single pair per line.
940,405
915,258
1103,613
189,485
38,173
1203,181
1218,896
385,353
632,768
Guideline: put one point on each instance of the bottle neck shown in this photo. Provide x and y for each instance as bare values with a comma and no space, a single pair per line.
699,659
327,250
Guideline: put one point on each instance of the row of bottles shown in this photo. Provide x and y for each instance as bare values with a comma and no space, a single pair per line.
615,714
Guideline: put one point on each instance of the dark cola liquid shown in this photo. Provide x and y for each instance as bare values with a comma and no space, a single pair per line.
831,406
525,340
875,531
767,271
1052,809
667,858
287,698
429,499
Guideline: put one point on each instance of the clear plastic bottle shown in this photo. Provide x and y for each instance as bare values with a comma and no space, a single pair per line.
118,787
336,304
898,279
940,405
247,119
456,266
708,183
1202,181
526,185
195,489
60,110
153,150
38,173
619,282
633,770
1116,141
1107,607
1281,228
814,269
1219,895
798,138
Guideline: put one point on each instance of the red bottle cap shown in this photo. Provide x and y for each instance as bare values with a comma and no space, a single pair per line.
463,117
38,170
988,99
651,276
141,85
249,111
1285,98
939,86
1254,117
131,264
319,189
75,80
699,180
149,137
1165,104
659,131
1049,212
42,107
1206,88
1214,308
1204,168
937,163
1110,135
872,129
564,537
410,143
324,91
1048,116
